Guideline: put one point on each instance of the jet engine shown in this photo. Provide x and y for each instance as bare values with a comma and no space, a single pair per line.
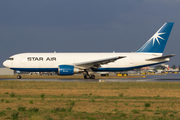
68,70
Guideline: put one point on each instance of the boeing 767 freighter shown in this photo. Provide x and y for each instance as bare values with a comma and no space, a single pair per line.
88,63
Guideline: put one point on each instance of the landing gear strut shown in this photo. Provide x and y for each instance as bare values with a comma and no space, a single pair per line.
87,76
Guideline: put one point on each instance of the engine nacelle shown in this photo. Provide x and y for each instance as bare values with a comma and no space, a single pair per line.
68,70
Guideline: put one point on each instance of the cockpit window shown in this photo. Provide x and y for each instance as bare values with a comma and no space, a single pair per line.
10,58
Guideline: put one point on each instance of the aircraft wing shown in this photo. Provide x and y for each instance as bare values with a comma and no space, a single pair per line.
98,63
161,58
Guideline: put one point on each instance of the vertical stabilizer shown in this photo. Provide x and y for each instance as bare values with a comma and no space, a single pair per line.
157,42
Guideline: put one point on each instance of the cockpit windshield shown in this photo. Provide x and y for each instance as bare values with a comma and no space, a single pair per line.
10,58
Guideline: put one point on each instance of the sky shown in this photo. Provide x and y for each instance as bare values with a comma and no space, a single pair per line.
85,26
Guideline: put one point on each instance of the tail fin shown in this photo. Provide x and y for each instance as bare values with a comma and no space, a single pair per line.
157,42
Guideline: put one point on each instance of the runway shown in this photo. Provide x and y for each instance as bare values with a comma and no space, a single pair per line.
149,78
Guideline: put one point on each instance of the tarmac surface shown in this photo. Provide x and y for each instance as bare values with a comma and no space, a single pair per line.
149,78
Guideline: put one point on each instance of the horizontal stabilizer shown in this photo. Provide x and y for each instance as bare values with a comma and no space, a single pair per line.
161,58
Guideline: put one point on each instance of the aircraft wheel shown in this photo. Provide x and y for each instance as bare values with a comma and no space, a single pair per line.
92,76
86,76
19,77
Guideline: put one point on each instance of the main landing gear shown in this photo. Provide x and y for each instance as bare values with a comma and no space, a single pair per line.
87,76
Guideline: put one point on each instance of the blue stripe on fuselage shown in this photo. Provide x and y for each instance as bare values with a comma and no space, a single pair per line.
36,69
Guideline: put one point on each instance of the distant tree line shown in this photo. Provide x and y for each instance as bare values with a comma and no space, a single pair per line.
163,67
160,67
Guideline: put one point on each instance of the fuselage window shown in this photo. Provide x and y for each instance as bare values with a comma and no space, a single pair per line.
10,58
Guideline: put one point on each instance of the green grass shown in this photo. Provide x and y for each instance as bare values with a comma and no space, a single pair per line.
114,86
21,108
47,117
93,100
19,98
90,101
8,108
31,102
12,94
14,115
35,110
135,111
147,104
42,96
121,95
72,103
6,101
2,113
55,110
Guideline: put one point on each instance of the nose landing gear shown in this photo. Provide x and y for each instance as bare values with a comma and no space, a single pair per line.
18,76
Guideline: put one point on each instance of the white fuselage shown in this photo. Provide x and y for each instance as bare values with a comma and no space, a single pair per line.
48,61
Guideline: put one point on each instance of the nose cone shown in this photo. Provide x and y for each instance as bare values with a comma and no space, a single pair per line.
5,63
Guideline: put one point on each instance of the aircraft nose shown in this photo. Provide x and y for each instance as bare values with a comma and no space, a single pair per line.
5,63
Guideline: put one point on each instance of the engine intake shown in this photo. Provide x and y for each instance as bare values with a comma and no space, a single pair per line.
68,70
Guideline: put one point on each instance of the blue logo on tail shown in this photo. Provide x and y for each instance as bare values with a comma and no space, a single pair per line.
157,42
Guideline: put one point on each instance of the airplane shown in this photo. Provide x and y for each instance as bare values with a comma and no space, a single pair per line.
89,63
